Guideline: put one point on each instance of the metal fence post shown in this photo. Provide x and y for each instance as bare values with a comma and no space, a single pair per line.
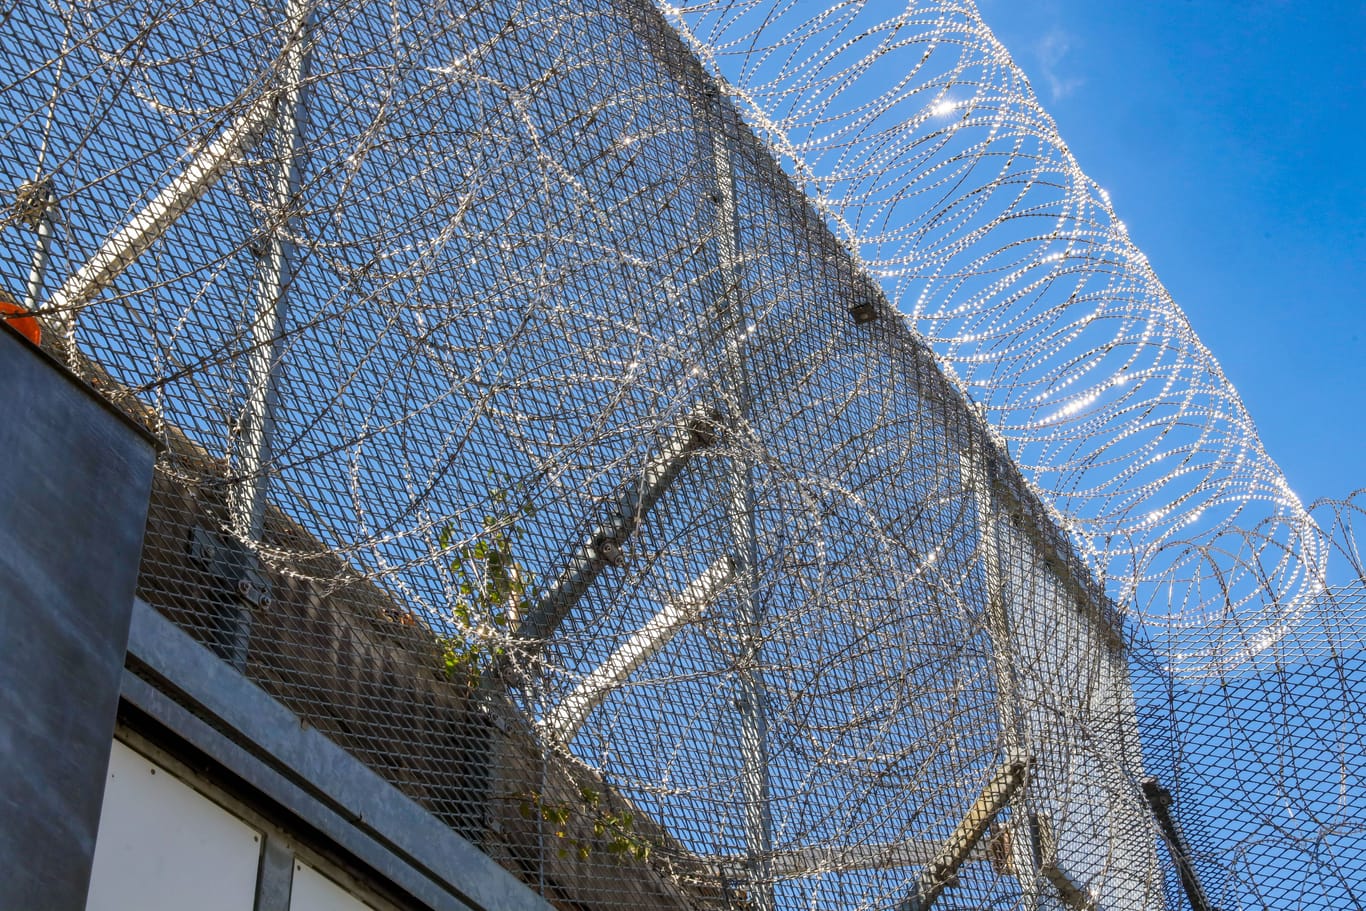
977,479
752,701
247,495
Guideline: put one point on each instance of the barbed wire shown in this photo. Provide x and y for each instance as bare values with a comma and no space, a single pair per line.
714,455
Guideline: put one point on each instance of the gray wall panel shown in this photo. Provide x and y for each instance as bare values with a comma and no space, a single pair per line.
73,502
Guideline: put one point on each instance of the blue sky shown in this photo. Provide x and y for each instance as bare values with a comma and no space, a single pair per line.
1232,140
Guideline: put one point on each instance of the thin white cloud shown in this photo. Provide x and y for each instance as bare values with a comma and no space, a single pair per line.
1051,49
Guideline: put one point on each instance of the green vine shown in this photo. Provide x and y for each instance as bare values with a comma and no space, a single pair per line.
493,590
613,830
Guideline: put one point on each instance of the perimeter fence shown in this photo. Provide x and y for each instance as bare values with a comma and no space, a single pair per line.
532,435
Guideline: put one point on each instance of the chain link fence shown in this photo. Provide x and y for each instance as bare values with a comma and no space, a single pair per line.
533,435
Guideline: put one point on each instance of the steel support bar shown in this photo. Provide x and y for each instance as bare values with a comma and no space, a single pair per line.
569,716
959,846
1069,893
1160,800
154,219
816,861
270,293
1033,848
275,875
603,547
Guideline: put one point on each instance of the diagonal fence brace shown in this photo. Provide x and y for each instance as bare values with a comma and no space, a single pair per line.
603,548
1160,801
569,716
942,871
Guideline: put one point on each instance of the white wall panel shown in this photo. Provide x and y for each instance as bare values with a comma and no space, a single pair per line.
163,846
315,892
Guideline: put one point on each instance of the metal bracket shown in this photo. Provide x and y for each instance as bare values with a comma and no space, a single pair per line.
237,570
232,564
863,306
862,312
